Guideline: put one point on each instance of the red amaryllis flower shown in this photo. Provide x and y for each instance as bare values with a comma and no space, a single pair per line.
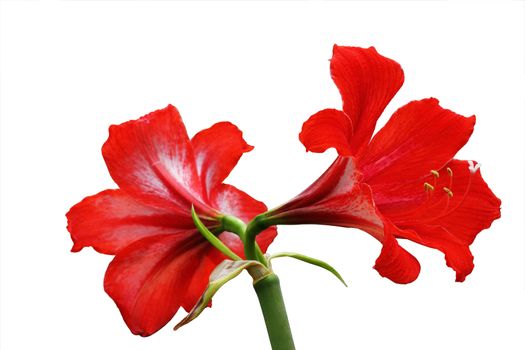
161,261
403,182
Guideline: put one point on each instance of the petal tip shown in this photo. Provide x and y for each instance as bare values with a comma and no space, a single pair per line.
396,264
460,278
76,248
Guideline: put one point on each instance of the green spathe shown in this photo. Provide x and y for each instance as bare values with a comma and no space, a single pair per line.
224,272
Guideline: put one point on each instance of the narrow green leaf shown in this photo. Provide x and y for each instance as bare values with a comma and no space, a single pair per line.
312,261
216,242
223,273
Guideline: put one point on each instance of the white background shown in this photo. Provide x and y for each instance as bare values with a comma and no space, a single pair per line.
69,69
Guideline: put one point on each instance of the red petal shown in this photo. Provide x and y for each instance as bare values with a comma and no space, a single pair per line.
325,129
336,198
473,207
420,137
152,159
340,176
148,280
232,201
394,262
339,198
213,257
457,253
112,219
367,82
449,223
201,277
217,151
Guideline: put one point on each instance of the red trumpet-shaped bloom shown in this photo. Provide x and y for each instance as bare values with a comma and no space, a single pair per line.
403,182
161,261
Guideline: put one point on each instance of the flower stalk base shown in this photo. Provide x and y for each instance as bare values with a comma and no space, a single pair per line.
268,291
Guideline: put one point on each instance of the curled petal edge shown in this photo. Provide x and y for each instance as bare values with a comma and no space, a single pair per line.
394,262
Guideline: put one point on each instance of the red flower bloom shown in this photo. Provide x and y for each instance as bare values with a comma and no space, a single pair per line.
161,261
401,184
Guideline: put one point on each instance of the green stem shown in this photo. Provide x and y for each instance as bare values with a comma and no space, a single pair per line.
237,226
216,242
252,230
271,300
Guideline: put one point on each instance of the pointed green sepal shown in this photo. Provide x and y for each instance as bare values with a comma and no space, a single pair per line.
216,242
223,273
310,260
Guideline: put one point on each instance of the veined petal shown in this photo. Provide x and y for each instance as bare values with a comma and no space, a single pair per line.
112,219
349,203
367,82
461,202
325,129
457,253
149,279
208,261
434,201
394,262
339,178
475,206
420,137
335,198
217,151
229,200
449,216
152,159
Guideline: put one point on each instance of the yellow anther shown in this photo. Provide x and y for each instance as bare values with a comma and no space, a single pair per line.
449,171
428,187
434,172
448,191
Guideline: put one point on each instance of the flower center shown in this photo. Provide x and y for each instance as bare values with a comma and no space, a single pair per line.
435,175
440,200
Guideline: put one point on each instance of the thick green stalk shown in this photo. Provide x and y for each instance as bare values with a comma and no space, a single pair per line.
271,300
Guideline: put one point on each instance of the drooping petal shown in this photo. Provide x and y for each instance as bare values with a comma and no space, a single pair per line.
394,262
420,137
148,280
217,151
367,82
457,253
325,129
449,216
229,200
112,219
152,159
